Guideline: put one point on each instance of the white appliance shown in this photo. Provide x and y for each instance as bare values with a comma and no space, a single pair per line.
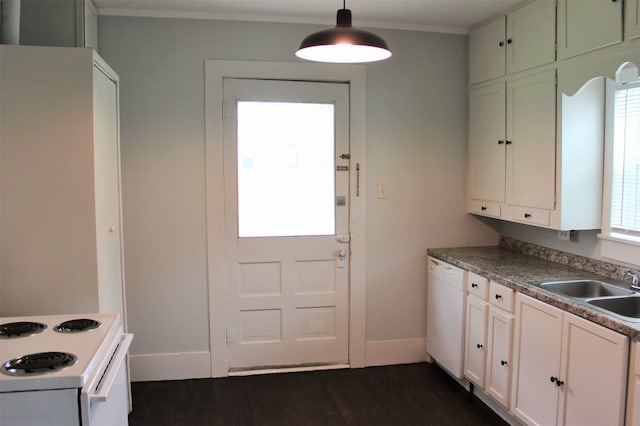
446,316
64,370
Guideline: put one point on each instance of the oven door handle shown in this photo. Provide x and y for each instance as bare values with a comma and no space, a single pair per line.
114,366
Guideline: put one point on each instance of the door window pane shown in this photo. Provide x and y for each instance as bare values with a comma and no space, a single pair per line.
286,183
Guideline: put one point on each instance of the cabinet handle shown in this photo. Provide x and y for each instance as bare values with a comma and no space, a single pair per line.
498,296
509,41
479,346
474,285
527,215
483,208
500,142
503,362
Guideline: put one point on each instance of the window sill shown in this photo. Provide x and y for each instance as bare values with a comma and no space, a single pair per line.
622,248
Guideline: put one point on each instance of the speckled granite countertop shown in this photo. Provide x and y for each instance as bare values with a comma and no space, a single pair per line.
515,264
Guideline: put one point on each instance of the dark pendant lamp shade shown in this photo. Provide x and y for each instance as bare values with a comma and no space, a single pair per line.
343,44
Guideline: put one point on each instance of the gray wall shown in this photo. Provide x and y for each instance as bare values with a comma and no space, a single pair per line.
416,126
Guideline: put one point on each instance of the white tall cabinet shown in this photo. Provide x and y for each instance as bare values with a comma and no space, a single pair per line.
60,212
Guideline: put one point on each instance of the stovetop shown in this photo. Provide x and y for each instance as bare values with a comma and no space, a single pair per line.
90,347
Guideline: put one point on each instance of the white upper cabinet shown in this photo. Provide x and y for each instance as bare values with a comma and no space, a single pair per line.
531,36
487,113
584,26
512,148
487,46
521,40
631,19
531,125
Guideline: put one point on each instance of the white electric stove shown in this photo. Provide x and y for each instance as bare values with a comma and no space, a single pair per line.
63,370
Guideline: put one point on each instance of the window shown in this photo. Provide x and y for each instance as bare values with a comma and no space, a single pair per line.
625,179
286,180
620,238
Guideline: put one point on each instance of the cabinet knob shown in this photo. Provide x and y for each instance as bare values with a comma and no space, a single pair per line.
501,43
508,142
498,296
500,142
503,362
527,215
553,379
479,346
474,285
483,208
509,41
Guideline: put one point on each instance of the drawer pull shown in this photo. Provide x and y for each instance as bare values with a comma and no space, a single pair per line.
527,215
498,296
474,285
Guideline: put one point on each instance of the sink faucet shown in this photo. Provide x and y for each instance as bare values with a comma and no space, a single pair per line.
634,280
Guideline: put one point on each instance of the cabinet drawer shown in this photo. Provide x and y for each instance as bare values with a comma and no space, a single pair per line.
486,208
478,286
527,215
501,296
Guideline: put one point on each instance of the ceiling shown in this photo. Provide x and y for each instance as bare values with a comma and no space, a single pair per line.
449,16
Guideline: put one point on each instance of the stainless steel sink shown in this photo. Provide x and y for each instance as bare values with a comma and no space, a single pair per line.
628,307
585,289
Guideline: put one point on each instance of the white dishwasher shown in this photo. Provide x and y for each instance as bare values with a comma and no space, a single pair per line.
446,315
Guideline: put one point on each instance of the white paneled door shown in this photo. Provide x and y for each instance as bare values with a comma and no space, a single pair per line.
286,180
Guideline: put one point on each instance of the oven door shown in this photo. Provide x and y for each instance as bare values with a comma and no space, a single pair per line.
105,401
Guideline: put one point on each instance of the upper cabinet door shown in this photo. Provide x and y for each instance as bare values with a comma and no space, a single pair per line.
632,19
531,36
531,141
487,51
584,26
487,111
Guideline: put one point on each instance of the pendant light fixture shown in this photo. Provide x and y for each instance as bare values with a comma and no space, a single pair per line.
343,44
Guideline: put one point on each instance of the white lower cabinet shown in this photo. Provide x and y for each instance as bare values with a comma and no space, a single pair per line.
633,396
500,341
476,340
567,370
489,338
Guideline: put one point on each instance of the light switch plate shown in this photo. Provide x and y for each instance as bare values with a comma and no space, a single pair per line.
383,190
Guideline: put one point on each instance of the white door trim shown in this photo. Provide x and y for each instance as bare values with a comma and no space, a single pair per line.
215,71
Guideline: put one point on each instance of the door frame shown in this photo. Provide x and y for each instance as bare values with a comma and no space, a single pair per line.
354,75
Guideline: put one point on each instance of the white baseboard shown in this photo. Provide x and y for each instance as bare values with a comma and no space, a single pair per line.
397,351
172,366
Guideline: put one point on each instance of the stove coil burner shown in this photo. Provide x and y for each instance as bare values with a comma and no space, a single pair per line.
77,325
20,329
38,363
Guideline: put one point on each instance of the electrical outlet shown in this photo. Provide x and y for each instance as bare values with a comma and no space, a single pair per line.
564,235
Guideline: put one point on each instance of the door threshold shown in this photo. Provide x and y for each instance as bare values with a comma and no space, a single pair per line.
292,369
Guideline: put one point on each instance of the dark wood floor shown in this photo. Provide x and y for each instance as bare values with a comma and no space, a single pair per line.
413,394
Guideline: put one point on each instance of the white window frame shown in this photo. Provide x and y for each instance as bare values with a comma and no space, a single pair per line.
615,244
